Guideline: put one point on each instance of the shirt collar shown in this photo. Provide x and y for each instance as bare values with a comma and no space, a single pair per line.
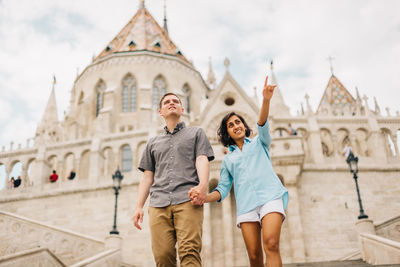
234,147
178,127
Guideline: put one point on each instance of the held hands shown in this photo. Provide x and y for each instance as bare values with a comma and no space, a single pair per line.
197,195
268,90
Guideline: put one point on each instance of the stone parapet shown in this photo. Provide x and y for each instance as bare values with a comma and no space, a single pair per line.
378,250
31,257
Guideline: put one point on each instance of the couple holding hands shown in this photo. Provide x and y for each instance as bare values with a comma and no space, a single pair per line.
176,169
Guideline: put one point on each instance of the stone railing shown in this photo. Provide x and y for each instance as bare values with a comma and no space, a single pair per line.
389,229
110,258
19,234
32,257
378,250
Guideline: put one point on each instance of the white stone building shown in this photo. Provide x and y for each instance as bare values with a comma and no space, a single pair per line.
112,114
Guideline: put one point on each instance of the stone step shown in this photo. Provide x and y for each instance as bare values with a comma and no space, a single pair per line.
348,263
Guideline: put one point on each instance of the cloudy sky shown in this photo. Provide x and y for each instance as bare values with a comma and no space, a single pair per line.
45,37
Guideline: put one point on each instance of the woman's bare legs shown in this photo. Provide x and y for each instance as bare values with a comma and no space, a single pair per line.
271,232
251,232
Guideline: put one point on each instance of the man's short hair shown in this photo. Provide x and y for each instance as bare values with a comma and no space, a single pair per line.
167,94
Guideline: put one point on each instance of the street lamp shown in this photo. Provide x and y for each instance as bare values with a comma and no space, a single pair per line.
117,177
353,165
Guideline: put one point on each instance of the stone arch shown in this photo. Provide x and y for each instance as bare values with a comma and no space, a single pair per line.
326,142
99,96
31,164
159,89
280,176
280,132
302,132
361,144
128,93
53,163
126,158
109,161
69,165
16,170
389,142
3,176
141,146
84,164
343,138
187,91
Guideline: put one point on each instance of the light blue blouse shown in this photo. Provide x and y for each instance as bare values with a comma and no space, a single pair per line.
250,170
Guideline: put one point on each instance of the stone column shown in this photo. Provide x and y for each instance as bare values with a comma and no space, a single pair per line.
295,226
94,170
315,141
228,234
206,251
365,226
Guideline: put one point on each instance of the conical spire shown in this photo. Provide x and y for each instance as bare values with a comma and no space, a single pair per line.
278,106
142,33
165,17
336,98
377,108
211,81
50,115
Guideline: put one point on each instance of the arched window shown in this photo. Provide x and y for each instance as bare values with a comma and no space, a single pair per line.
186,90
99,96
128,94
126,158
159,89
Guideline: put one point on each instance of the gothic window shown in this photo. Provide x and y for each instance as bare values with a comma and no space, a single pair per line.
126,158
186,90
159,89
99,96
128,94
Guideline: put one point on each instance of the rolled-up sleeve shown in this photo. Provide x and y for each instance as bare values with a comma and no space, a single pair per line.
147,162
203,146
264,135
225,182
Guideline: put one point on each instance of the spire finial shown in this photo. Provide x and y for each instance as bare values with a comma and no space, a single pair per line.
211,76
165,16
141,5
54,81
330,58
272,64
227,63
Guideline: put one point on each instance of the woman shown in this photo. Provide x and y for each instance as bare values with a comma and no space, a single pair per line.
260,196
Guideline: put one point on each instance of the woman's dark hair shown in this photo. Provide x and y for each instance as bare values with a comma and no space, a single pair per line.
222,132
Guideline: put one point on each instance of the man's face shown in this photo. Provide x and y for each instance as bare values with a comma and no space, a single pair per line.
170,106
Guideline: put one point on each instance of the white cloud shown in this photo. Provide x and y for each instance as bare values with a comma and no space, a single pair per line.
43,37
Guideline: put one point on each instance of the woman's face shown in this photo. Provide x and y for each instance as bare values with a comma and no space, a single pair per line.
236,128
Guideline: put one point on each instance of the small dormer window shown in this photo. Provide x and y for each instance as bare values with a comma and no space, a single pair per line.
157,44
178,52
108,48
132,44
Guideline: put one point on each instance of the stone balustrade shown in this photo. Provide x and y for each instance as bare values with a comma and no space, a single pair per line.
110,258
32,257
378,250
389,229
19,234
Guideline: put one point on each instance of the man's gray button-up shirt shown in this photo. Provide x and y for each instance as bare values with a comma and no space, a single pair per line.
172,159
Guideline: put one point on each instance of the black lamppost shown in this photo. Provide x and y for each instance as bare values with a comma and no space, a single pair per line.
117,177
353,164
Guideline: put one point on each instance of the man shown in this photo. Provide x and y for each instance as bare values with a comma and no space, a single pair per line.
174,162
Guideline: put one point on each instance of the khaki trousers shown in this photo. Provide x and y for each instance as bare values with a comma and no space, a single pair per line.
182,223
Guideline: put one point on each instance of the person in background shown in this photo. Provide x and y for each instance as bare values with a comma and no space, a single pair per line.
53,177
17,182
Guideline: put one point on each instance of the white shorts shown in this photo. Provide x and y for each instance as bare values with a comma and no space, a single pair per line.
258,213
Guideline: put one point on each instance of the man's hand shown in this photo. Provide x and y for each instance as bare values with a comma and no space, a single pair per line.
268,90
138,216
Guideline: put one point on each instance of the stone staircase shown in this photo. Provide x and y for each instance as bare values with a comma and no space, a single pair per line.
26,242
347,263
